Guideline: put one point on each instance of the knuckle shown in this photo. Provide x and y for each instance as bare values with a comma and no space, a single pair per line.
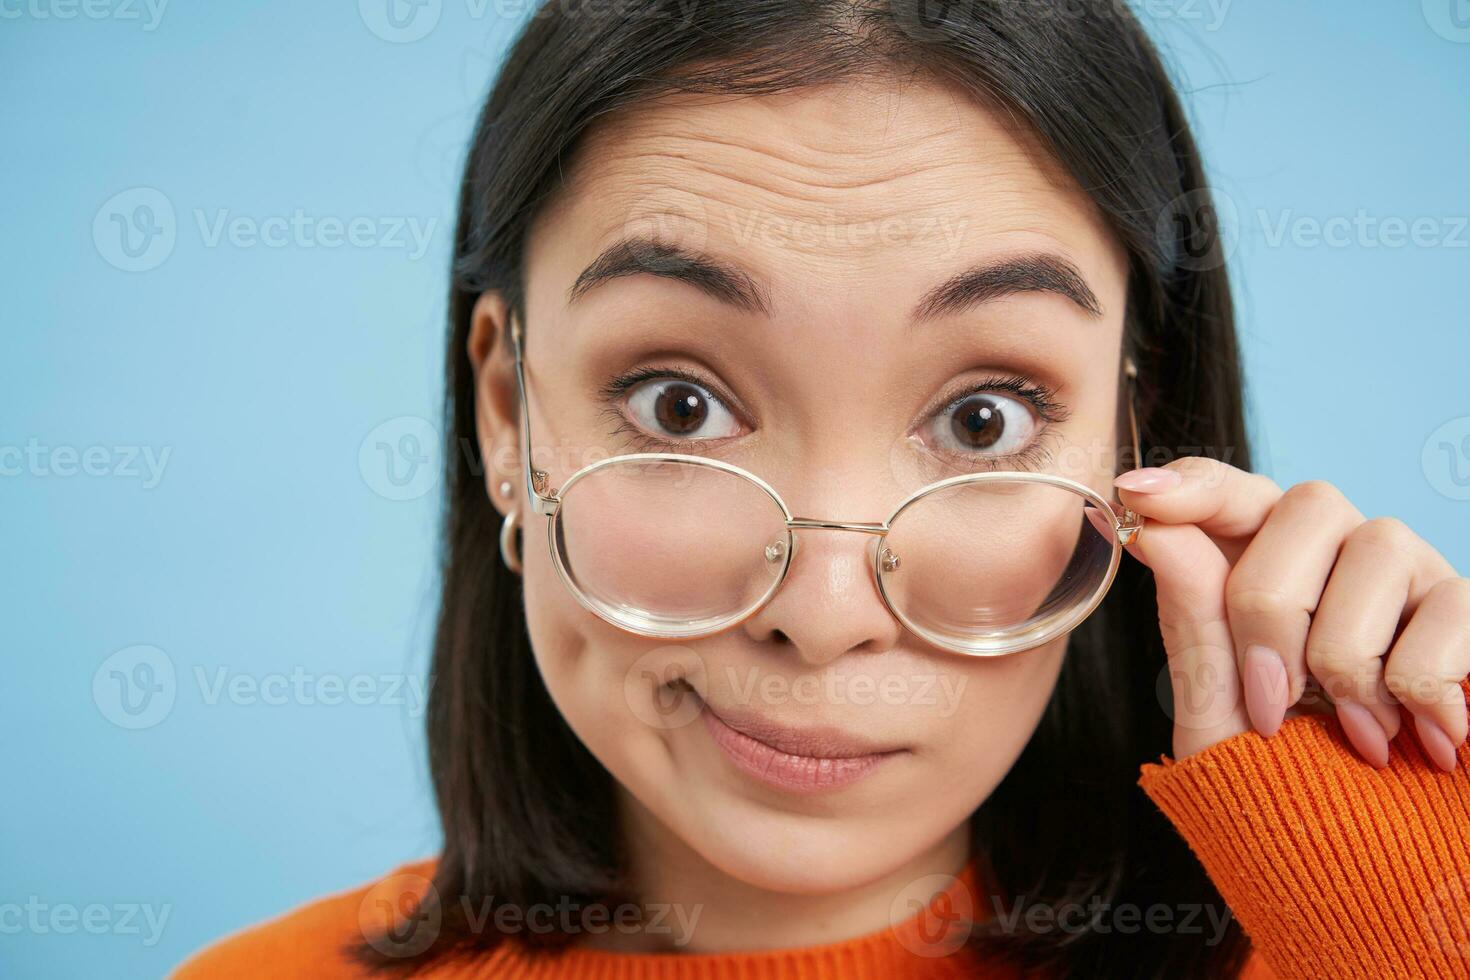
1315,494
1333,657
1452,595
1414,681
1195,465
1260,600
1382,533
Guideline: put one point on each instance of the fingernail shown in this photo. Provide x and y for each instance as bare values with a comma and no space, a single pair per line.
1103,525
1150,479
1364,732
1437,744
1266,688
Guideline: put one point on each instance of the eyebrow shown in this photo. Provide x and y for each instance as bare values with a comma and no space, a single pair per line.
1040,272
635,256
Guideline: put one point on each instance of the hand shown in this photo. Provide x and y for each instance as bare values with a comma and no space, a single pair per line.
1262,591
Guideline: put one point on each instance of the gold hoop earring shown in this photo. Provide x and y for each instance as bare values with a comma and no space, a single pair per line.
507,543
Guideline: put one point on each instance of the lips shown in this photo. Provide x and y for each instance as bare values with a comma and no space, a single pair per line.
806,760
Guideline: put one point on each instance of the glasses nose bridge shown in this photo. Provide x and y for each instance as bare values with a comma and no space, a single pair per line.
879,528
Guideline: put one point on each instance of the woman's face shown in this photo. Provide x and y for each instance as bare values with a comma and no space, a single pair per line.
809,286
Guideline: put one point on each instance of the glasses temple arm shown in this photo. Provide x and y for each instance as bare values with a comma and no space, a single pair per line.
1128,522
535,479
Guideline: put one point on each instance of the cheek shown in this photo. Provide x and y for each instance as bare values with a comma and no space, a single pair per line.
602,679
1000,703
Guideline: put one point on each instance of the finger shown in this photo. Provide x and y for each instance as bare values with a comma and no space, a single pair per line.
1273,590
1382,574
1189,577
1221,499
1426,665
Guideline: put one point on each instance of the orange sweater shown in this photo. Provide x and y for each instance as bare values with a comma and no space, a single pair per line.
1335,869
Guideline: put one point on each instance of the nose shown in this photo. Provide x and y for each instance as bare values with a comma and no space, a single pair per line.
829,602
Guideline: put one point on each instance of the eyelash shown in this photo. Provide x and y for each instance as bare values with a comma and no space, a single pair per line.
1041,398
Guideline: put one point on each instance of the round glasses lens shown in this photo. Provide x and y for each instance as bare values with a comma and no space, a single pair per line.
670,548
994,566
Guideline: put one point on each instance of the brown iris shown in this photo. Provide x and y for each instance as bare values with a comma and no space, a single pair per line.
978,422
680,408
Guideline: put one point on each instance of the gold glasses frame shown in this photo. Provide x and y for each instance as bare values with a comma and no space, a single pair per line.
546,501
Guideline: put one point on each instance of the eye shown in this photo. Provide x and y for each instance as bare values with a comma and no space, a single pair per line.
676,408
984,423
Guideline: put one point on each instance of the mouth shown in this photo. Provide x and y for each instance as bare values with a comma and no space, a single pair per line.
808,760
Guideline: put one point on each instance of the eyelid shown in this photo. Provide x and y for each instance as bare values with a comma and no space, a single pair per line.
618,390
619,386
1040,397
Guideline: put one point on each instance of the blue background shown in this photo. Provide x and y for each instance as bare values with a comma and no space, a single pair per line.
274,543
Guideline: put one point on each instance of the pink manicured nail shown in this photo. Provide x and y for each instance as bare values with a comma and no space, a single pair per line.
1150,479
1364,732
1437,744
1266,688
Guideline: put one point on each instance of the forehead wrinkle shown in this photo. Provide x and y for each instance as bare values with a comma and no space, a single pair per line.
1010,188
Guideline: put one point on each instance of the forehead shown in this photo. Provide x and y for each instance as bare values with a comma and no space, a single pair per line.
863,180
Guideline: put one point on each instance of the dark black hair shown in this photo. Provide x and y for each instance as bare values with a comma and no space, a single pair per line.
527,812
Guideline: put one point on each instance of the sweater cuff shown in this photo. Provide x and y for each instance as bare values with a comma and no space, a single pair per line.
1334,868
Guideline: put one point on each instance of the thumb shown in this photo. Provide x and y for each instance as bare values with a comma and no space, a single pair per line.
1189,575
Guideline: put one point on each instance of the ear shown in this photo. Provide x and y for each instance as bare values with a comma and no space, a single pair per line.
497,402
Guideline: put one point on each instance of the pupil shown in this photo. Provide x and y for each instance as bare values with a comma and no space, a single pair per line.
680,409
978,424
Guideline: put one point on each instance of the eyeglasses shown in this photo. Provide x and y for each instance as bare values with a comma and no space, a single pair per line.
676,546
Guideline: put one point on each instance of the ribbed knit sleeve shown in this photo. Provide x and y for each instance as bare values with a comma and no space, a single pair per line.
1334,868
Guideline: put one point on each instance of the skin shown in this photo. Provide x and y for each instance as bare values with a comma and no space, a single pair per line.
834,386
